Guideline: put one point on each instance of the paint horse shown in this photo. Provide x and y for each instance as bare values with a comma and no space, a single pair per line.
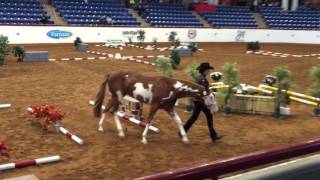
159,92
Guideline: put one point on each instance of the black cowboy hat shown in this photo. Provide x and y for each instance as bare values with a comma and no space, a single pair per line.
204,66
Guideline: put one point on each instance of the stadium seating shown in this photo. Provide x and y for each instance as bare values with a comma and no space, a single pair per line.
21,12
303,18
169,15
231,17
79,13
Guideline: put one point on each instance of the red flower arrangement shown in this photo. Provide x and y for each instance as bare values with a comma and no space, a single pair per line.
51,113
4,150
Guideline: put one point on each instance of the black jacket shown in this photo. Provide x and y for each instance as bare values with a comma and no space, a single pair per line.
204,82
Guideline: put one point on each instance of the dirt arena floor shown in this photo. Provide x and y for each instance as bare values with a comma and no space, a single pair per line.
71,84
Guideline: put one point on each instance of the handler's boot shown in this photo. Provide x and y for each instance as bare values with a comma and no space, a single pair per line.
216,138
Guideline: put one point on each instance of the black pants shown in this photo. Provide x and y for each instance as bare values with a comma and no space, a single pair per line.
198,107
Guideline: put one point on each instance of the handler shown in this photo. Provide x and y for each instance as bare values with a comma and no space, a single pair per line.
204,70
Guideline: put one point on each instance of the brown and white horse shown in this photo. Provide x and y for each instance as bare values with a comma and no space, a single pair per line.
159,92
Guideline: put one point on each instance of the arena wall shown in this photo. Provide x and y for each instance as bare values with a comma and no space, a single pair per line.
67,34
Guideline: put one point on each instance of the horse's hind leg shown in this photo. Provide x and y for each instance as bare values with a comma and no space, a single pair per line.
110,105
183,133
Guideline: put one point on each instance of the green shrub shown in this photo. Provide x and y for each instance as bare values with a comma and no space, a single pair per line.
4,48
253,46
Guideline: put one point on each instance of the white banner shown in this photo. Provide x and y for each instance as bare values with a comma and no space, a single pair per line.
61,34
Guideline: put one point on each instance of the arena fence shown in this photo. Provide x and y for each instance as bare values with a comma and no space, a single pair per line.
225,166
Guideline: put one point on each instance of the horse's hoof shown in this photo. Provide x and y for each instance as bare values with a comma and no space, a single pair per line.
185,140
100,129
121,135
144,141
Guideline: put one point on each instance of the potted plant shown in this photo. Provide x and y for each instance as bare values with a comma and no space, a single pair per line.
193,47
231,75
177,43
164,65
4,150
141,36
76,42
253,46
283,83
154,42
47,115
18,52
175,59
172,37
4,48
314,74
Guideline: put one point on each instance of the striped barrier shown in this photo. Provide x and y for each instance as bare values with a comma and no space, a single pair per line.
283,55
25,163
135,121
5,106
291,93
303,101
128,118
70,135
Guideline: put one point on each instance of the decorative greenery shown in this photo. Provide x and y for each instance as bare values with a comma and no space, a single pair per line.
18,52
314,74
141,36
283,76
253,46
4,150
216,76
269,80
193,72
175,60
130,40
172,37
231,75
4,48
77,42
154,42
164,65
193,46
50,113
177,43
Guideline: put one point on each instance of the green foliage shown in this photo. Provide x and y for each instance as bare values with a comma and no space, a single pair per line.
141,36
154,41
172,37
177,43
175,59
76,42
4,48
314,74
193,72
231,75
193,46
18,52
253,46
283,76
164,65
130,40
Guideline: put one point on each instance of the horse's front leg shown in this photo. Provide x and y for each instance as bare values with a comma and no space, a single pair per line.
152,112
183,133
119,126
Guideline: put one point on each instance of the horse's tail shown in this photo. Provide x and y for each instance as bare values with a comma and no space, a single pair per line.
100,97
